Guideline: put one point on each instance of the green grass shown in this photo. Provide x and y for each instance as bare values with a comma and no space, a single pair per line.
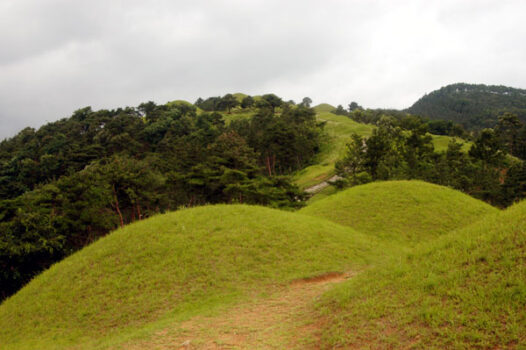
406,211
237,114
324,108
240,96
441,142
339,129
170,267
464,290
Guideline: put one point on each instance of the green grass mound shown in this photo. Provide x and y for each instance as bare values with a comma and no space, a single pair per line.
324,108
171,267
465,290
407,211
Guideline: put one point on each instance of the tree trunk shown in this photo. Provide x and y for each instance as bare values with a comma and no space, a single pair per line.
117,206
139,214
268,165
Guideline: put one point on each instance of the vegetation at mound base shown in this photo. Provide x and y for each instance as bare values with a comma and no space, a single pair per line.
467,289
474,106
171,266
406,211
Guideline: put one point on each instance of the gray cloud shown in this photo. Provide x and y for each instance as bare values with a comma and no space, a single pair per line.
60,55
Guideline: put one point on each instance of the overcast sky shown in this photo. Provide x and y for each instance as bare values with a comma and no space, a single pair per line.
60,55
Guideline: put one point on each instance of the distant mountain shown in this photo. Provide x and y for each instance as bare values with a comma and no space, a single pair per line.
474,106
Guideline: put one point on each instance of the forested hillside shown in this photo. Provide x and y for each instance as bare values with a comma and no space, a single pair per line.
473,106
72,181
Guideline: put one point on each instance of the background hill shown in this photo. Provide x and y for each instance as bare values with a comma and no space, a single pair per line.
170,267
463,290
473,106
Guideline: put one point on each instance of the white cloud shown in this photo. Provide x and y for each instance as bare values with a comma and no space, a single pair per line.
60,55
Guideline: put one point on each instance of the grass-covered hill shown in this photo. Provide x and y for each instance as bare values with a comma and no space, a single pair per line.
338,129
403,211
474,106
464,290
170,267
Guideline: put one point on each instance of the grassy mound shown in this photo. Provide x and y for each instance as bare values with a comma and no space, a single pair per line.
172,266
467,289
324,108
407,211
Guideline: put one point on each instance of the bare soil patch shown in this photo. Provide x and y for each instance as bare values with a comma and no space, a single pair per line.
280,321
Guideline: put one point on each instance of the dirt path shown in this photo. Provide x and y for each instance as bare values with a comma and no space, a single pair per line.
276,322
317,188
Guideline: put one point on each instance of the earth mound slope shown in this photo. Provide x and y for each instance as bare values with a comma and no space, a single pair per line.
464,290
171,267
405,211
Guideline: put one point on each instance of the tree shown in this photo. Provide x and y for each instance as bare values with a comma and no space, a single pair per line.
354,106
487,148
247,102
353,162
228,102
272,101
340,110
306,102
507,131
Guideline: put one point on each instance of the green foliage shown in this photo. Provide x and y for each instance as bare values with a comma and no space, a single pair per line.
285,142
474,106
247,102
401,149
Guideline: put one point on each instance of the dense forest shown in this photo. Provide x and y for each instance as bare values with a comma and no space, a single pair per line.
474,106
69,182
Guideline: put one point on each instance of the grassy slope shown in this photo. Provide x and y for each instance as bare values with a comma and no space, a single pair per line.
440,142
467,289
339,129
170,267
407,211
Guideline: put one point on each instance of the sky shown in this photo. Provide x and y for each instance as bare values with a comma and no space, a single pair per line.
58,56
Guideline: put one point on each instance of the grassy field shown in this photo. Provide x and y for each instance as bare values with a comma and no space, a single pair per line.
440,142
171,267
403,211
464,290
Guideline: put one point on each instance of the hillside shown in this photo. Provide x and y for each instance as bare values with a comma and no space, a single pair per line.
474,106
171,267
464,290
339,129
403,211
